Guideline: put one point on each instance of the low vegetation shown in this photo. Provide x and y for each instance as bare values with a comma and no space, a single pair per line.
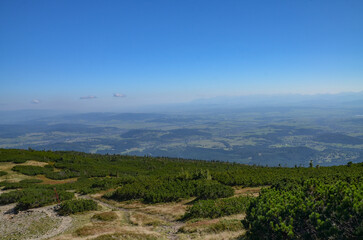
213,227
105,216
217,208
10,197
127,236
32,198
26,183
46,170
87,231
77,206
311,210
141,219
295,203
167,190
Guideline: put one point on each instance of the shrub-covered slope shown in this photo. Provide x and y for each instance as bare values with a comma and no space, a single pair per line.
296,203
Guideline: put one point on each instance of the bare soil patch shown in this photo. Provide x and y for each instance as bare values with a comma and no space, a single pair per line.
248,191
34,224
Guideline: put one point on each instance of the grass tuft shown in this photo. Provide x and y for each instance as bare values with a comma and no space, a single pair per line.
105,216
127,236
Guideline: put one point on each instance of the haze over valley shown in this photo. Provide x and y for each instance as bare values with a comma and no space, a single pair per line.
261,130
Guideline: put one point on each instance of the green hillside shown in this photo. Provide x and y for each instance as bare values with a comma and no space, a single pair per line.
294,203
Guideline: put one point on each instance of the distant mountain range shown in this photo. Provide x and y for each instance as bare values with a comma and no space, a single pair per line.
342,100
318,100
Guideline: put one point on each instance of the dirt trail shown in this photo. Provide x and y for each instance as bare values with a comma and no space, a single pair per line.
171,228
65,223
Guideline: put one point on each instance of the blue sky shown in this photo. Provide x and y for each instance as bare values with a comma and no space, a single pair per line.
53,53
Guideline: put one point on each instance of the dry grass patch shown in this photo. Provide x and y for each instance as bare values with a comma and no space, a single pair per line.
92,230
78,221
126,236
11,176
84,226
236,216
250,191
99,195
16,177
222,236
138,232
217,225
225,225
34,163
202,223
105,216
6,166
169,211
141,219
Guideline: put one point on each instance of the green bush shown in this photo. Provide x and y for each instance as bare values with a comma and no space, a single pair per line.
21,156
10,197
30,170
22,184
2,173
213,190
217,208
31,181
169,190
128,192
12,185
312,210
17,160
48,172
77,206
33,198
63,174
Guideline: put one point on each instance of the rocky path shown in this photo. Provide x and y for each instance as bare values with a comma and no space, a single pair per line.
34,224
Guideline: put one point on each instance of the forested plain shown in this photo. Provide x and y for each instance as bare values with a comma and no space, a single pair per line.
284,135
295,203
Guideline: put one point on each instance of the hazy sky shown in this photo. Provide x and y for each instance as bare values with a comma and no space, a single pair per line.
116,54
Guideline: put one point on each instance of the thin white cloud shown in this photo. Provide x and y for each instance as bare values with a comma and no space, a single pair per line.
35,101
88,97
120,95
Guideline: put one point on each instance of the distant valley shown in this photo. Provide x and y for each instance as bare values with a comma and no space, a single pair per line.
275,135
